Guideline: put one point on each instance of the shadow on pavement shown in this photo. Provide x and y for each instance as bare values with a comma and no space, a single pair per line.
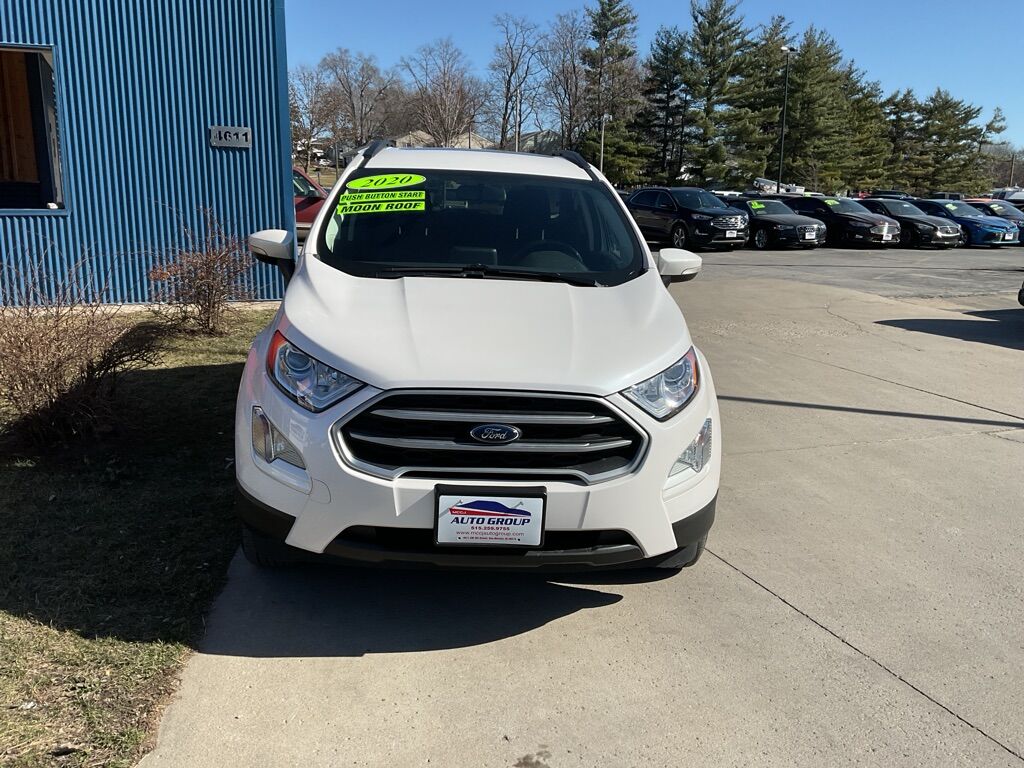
332,611
1000,327
871,411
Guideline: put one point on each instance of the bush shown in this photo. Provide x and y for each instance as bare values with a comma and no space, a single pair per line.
195,285
61,352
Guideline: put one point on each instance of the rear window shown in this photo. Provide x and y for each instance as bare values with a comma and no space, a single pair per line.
385,222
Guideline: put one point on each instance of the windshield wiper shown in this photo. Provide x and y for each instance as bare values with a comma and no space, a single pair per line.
485,271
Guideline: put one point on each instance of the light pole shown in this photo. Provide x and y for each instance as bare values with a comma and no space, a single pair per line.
600,162
787,49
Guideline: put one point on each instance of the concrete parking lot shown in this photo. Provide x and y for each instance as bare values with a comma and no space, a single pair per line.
860,603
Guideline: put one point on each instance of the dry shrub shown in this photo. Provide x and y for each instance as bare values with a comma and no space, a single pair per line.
62,350
194,287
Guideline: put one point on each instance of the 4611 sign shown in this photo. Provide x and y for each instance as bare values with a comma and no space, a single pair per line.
230,136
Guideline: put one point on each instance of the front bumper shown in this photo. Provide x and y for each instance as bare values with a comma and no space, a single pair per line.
708,235
795,238
934,237
334,508
994,237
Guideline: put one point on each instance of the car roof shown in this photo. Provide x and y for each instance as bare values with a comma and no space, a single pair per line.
494,161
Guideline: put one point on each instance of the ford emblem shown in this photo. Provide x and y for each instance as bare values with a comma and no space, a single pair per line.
495,434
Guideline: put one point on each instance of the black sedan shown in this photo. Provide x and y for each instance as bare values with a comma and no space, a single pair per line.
848,222
917,228
773,224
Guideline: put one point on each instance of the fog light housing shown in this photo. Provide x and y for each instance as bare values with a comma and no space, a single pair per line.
697,454
269,443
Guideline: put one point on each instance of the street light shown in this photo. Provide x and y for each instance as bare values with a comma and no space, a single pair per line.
600,163
786,49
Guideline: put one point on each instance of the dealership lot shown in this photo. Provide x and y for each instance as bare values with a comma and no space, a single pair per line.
860,602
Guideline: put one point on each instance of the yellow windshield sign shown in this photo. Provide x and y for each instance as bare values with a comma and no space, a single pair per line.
755,205
831,202
386,181
385,206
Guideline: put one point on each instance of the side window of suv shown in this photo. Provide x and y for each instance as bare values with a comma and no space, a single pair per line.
665,202
647,198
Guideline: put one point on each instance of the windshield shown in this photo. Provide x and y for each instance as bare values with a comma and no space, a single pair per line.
697,198
900,208
478,224
1006,210
845,205
962,209
769,208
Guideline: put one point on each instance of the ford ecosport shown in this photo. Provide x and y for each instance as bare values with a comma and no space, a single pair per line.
476,364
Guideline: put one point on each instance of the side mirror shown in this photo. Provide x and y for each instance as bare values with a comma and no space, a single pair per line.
678,266
274,246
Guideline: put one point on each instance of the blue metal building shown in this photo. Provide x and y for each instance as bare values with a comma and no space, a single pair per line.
122,120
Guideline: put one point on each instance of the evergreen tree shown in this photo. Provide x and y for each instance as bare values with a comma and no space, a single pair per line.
954,140
869,145
909,163
611,61
723,126
662,120
625,153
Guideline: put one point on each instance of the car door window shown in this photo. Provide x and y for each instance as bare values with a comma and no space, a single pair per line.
664,202
646,198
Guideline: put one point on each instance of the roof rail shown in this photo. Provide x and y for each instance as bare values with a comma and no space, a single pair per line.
374,147
577,159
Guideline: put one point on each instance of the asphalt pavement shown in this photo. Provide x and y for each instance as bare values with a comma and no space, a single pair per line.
860,602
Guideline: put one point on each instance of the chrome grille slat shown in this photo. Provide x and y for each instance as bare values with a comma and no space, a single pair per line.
427,433
728,222
503,417
519,446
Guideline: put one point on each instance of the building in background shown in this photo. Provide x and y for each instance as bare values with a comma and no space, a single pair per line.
122,121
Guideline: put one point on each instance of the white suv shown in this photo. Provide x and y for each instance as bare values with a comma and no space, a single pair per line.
476,364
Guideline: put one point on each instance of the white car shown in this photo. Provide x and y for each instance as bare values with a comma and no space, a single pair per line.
476,364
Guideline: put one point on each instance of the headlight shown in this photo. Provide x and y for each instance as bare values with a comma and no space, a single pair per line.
784,227
860,224
310,383
664,395
922,227
701,217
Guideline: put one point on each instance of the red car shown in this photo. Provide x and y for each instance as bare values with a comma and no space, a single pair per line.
309,197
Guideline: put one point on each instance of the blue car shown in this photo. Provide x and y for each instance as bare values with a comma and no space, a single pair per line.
977,227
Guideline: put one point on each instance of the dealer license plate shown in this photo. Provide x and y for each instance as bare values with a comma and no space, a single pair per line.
809,236
730,233
887,237
489,517
1008,236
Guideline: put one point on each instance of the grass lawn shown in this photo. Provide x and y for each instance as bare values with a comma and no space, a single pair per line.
111,552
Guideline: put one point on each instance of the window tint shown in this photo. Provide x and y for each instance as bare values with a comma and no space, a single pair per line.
665,201
456,219
696,198
647,197
29,150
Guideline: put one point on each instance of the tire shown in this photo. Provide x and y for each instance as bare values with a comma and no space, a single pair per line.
907,239
686,557
965,239
1020,296
679,237
760,239
264,552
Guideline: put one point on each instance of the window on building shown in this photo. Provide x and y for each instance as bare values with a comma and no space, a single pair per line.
29,147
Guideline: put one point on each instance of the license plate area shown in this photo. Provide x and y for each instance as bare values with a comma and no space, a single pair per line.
730,233
887,237
809,236
489,516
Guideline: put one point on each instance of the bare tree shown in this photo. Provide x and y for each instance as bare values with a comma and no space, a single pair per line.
311,108
564,84
445,96
514,76
361,90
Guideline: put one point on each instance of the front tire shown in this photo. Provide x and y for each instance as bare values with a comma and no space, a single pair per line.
679,237
761,239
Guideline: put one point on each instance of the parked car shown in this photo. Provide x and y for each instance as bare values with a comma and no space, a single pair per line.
309,198
946,196
687,217
774,224
502,382
1004,210
894,194
848,221
917,228
976,227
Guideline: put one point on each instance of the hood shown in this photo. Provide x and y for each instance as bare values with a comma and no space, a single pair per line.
935,221
986,221
793,219
873,219
721,212
484,333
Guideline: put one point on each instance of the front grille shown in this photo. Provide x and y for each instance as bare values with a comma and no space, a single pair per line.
949,230
729,222
808,229
427,434
885,229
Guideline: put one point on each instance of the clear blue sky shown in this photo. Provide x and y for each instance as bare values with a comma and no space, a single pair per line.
920,44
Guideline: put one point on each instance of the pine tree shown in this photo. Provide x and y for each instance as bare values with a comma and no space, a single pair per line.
866,127
954,141
664,117
625,153
764,92
909,163
723,126
611,61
